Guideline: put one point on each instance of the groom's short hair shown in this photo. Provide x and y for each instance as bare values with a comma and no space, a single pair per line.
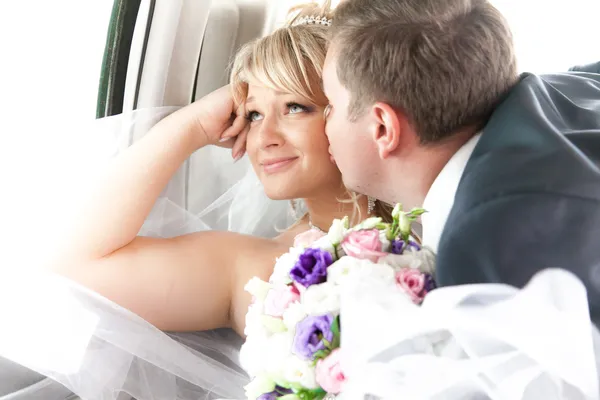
445,63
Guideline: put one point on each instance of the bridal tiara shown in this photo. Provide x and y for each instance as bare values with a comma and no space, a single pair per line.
313,19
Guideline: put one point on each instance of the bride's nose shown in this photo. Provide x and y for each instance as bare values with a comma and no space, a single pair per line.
269,133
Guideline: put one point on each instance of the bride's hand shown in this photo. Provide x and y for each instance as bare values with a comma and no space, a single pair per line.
215,119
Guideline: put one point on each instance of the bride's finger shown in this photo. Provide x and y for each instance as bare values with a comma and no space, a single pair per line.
236,128
239,147
226,143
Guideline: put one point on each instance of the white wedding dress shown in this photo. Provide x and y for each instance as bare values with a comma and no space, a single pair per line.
489,341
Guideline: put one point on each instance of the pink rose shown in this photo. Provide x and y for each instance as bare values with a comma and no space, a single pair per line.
279,299
329,373
307,238
363,244
412,281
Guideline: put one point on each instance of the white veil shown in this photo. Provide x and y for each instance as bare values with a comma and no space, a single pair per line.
96,348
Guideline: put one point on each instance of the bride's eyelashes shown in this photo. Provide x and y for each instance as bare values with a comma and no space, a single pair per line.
252,116
295,108
291,108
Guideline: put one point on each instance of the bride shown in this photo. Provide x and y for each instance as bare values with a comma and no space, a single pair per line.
278,104
272,112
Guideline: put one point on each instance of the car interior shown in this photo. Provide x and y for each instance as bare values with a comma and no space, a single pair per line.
168,53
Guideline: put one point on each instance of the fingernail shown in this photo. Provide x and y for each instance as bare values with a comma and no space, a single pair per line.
223,139
238,156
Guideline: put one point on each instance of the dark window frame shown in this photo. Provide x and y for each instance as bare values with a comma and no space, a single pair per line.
111,90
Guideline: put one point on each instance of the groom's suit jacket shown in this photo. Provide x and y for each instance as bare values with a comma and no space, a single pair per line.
529,197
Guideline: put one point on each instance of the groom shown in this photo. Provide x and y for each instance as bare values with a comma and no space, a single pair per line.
427,109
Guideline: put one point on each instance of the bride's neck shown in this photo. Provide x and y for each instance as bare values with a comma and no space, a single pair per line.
322,211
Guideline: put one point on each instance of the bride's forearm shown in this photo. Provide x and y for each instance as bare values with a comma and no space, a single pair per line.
128,190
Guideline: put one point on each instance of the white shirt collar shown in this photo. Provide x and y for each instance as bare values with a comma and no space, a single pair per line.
440,197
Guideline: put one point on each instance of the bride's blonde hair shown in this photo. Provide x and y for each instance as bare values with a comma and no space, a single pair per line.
291,60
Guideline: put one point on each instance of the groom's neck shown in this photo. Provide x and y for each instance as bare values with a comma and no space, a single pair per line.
422,167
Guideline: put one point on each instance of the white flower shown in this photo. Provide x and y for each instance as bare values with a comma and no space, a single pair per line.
404,223
399,261
283,266
277,354
325,244
354,268
293,315
254,323
321,299
259,386
273,324
300,372
423,260
337,231
258,288
252,353
427,257
339,270
385,243
368,223
396,210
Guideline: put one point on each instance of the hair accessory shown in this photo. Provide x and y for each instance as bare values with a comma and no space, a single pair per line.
312,20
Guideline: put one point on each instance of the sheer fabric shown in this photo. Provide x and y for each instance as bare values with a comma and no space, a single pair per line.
98,349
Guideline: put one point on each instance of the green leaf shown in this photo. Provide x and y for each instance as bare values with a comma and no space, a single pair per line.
311,394
335,326
320,354
336,343
382,226
289,397
416,212
392,232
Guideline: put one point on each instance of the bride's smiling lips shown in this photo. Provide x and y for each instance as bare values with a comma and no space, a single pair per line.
273,165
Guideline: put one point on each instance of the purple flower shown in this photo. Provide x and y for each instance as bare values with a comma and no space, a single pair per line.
310,333
278,392
311,267
429,284
268,396
398,246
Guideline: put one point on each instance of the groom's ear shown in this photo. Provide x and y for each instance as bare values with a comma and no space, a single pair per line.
387,129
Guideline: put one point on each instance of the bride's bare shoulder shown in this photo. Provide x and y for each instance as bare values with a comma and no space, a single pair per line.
287,237
242,246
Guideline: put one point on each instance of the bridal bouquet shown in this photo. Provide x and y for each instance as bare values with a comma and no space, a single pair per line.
293,326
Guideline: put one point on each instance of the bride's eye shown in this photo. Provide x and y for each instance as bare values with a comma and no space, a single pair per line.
253,116
295,108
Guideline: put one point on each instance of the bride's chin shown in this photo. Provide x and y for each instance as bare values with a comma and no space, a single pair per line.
279,195
275,191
